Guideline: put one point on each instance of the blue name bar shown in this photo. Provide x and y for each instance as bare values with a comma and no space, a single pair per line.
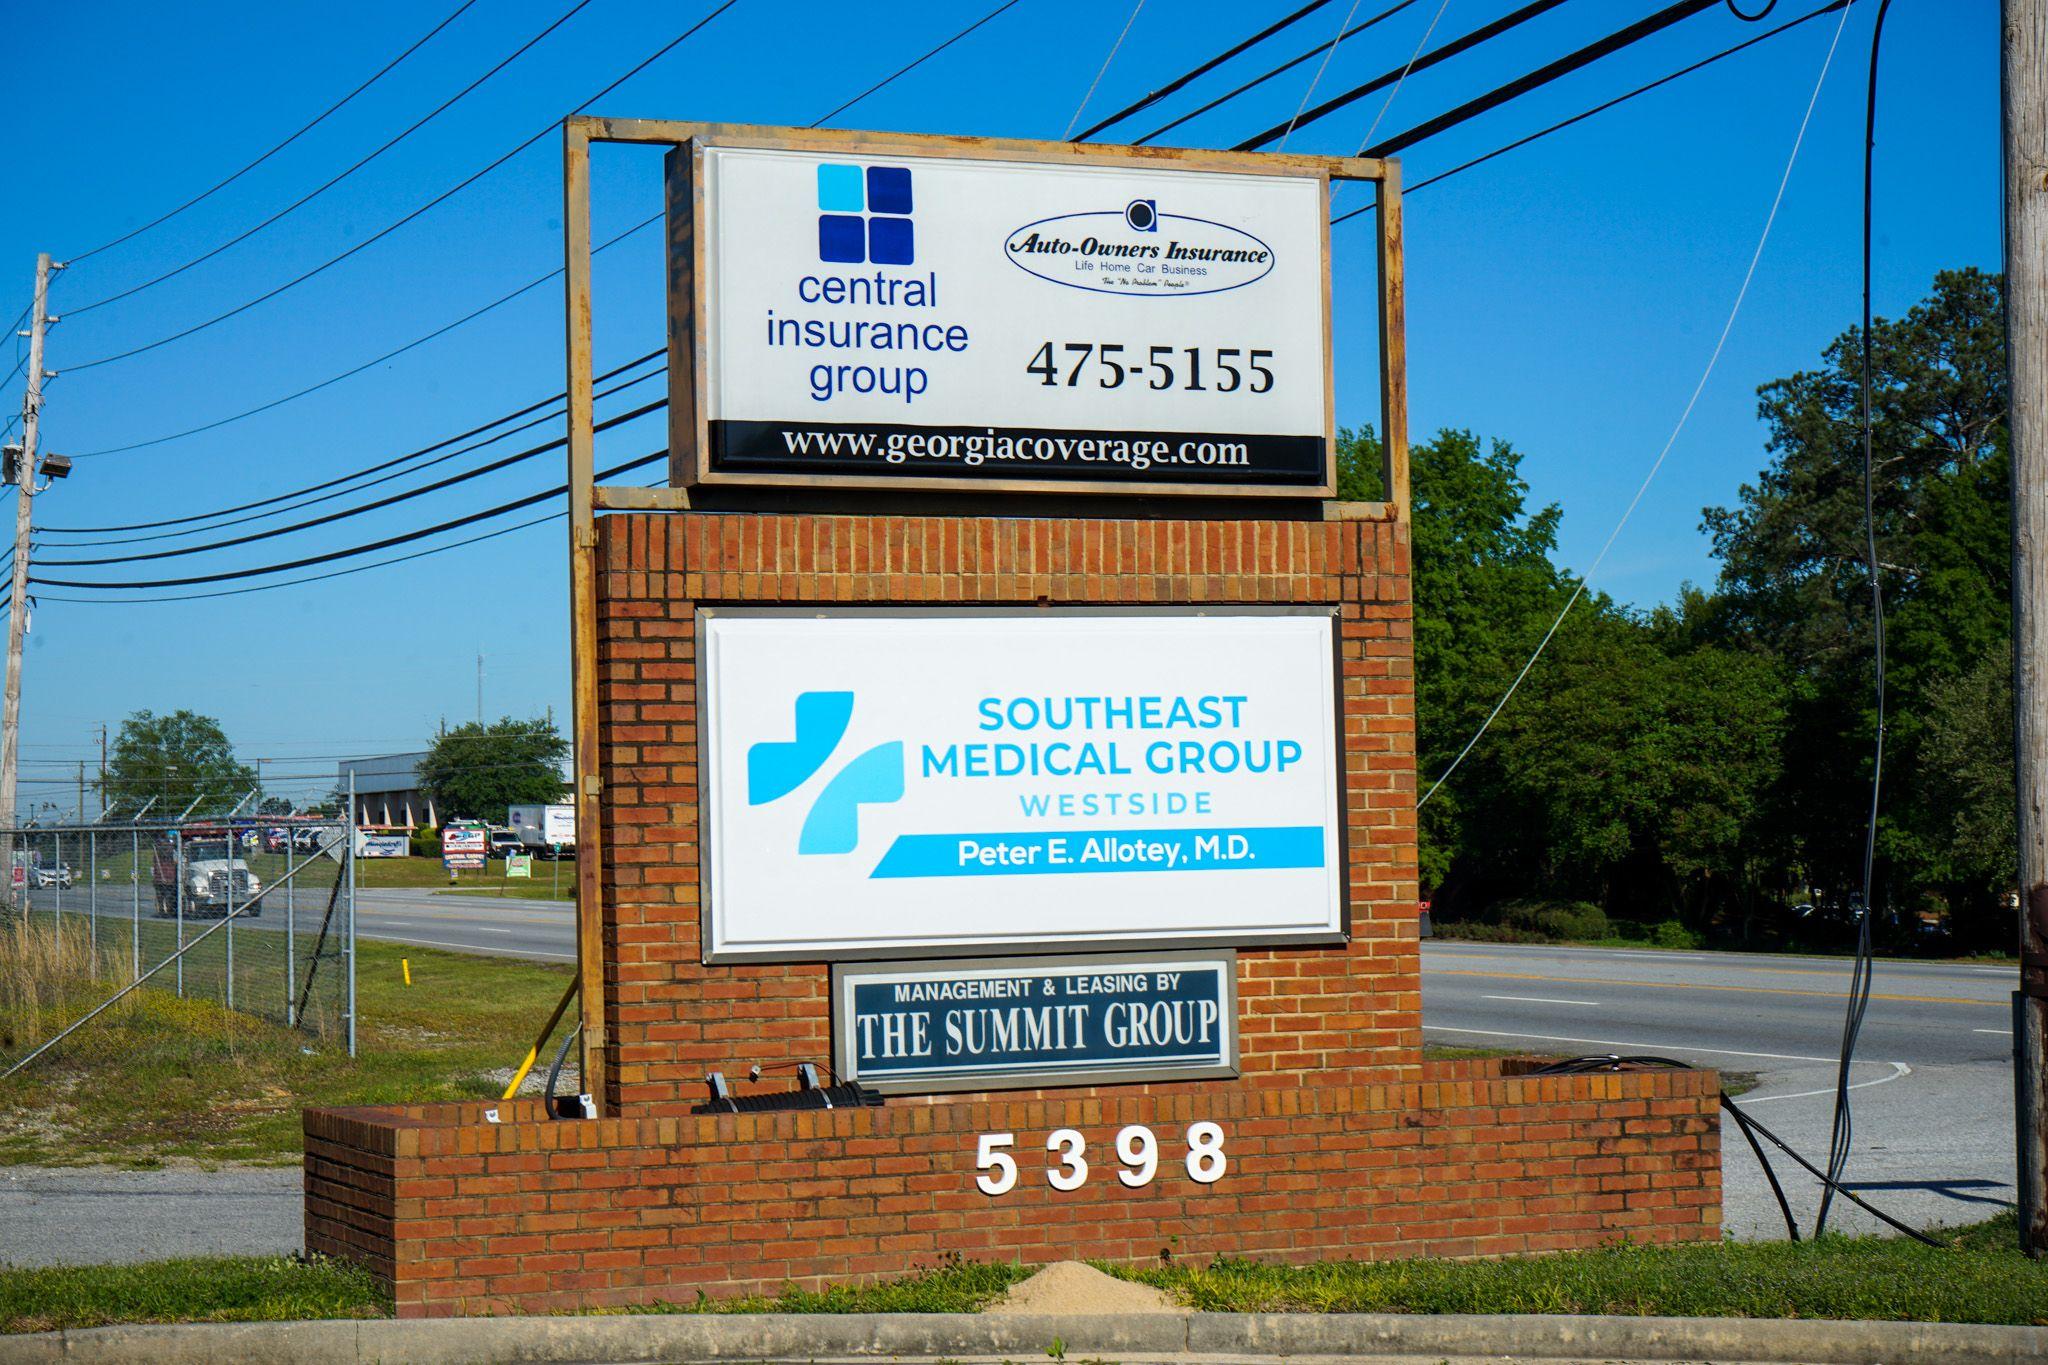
1054,852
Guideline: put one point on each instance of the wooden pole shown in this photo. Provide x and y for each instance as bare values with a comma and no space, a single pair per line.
17,601
2025,62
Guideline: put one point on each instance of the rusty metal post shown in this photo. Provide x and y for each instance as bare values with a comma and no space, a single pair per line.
2025,63
583,605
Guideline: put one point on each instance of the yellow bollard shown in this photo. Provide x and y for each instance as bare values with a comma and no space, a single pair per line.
405,964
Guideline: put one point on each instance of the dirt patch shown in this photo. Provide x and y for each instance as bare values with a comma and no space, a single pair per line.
1071,1287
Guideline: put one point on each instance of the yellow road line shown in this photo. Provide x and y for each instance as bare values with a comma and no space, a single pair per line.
1746,990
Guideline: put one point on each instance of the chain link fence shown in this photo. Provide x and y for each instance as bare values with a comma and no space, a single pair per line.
256,914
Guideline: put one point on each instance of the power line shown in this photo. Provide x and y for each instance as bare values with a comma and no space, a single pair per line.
329,184
439,459
1281,69
1484,33
1181,82
361,509
386,231
902,71
442,330
318,119
1543,75
1114,48
560,490
441,444
1604,106
1713,358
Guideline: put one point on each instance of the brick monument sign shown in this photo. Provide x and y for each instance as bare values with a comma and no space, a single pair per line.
1036,764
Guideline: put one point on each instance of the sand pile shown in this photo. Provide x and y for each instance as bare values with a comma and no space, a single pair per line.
1071,1287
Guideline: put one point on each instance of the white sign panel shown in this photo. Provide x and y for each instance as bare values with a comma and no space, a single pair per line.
558,824
916,317
898,784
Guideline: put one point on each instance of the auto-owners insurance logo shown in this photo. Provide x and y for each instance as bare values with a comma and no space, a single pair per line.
1139,249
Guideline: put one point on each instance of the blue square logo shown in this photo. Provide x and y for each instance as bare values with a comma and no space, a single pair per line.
842,237
890,241
839,188
888,189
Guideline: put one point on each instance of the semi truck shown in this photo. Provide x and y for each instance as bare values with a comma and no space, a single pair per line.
546,831
204,864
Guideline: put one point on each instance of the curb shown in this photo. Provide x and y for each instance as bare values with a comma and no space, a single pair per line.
788,1336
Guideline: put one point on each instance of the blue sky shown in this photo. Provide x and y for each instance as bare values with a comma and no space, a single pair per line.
1565,296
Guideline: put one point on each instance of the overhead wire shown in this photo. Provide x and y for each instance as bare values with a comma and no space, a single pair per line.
1485,33
1114,48
1195,73
1685,415
1309,93
1394,94
532,284
328,184
1603,107
317,120
390,228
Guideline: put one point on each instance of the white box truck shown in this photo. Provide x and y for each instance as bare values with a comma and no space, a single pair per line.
547,831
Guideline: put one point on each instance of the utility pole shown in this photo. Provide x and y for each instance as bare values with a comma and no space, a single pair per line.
479,689
103,769
2025,62
24,477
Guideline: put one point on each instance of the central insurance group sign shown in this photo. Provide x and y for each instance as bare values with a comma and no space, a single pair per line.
986,322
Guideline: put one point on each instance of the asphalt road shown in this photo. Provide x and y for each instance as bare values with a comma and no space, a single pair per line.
1932,1097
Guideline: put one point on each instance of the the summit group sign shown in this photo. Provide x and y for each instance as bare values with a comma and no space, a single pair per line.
889,784
973,321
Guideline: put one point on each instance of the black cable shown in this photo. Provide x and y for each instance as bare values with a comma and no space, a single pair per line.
1484,33
441,444
376,505
1603,107
530,285
1863,973
1263,77
322,117
386,231
1182,81
386,543
912,66
555,1071
314,193
472,447
1543,75
1742,1122
444,328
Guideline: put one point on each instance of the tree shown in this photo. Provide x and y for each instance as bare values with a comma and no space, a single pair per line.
473,772
274,805
1793,580
177,759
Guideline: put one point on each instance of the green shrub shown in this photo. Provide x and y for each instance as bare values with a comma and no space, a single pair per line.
426,842
1671,934
1553,920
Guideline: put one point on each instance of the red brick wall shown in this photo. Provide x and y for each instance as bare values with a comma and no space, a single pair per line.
1342,1141
1330,1012
1455,1160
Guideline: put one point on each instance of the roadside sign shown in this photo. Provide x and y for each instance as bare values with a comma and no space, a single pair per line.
519,865
1055,781
558,824
464,849
982,317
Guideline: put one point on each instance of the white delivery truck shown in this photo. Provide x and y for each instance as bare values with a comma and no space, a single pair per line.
546,831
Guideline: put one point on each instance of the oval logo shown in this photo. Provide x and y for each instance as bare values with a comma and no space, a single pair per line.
1138,250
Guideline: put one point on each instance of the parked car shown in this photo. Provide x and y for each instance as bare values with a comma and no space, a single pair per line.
504,843
43,876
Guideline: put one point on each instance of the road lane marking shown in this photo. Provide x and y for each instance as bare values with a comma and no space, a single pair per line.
1540,1000
1898,1069
1609,1042
2001,1032
1741,990
471,947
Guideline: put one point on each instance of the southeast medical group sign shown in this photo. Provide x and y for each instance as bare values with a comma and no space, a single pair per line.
894,784
983,320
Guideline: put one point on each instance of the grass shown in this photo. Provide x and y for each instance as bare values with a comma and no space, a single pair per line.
428,874
1978,1275
161,1079
208,1289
